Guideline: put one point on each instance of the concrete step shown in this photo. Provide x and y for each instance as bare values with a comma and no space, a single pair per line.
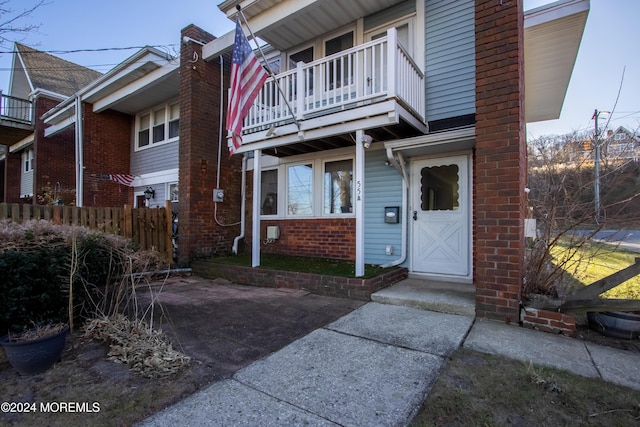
444,297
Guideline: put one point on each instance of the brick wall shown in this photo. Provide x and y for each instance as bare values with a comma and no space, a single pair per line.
107,149
499,160
12,170
54,159
330,237
200,231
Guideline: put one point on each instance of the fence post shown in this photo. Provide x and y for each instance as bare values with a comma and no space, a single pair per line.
168,212
127,222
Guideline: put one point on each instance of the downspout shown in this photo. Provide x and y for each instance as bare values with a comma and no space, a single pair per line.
242,205
79,154
398,164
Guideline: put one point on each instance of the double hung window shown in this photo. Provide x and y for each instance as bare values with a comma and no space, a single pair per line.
158,126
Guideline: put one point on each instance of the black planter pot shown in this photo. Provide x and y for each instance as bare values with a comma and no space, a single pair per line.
35,356
615,324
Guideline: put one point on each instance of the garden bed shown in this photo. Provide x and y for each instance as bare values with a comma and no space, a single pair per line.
316,275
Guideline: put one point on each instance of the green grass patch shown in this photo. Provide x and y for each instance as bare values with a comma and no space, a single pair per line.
594,261
326,266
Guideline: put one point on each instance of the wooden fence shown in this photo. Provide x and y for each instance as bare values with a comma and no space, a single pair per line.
151,228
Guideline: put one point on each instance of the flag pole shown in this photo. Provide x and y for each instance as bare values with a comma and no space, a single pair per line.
244,18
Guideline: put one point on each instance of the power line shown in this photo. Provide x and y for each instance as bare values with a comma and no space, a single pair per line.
101,49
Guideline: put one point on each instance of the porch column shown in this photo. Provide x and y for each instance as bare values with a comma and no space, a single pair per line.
359,203
255,224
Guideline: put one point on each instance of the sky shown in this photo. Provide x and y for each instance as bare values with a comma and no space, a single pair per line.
608,48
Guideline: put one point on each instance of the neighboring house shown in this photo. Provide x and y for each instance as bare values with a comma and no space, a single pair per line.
35,166
621,145
131,117
405,143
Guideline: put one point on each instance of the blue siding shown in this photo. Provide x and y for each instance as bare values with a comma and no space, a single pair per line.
155,159
450,58
383,187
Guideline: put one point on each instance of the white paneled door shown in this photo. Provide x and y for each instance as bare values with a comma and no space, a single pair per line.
441,241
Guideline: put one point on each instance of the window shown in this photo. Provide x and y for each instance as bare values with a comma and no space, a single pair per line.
300,190
315,187
338,44
173,191
174,121
27,160
158,126
269,192
620,137
143,132
439,188
305,55
338,187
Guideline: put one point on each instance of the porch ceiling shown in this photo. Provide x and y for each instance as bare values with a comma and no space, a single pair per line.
552,36
284,24
345,139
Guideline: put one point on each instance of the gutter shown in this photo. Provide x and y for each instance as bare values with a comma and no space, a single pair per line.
398,163
242,206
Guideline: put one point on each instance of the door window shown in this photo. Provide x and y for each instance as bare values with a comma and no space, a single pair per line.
439,188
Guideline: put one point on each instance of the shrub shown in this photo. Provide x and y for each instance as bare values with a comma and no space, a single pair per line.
38,261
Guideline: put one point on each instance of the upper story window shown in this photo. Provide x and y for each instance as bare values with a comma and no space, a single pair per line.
27,160
158,126
620,137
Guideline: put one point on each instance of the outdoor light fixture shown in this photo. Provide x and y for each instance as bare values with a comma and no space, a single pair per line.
149,193
366,140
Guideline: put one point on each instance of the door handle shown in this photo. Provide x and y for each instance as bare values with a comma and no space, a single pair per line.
415,215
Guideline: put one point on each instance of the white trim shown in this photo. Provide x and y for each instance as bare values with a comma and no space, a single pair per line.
151,112
25,142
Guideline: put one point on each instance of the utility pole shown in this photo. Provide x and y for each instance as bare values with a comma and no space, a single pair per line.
596,163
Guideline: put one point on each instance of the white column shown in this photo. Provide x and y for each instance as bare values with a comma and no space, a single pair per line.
255,224
79,154
359,201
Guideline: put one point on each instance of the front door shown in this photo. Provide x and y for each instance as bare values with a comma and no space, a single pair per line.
441,242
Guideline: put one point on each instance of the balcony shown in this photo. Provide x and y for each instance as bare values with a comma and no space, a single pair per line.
376,85
16,119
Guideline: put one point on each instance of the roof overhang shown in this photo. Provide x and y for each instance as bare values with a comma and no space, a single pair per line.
552,35
145,79
284,24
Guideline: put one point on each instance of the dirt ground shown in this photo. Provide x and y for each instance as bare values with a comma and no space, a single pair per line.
222,327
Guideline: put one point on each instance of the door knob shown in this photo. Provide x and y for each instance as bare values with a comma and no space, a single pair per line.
415,215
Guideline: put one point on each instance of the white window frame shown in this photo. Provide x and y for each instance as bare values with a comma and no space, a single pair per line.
317,187
169,192
152,124
28,159
410,20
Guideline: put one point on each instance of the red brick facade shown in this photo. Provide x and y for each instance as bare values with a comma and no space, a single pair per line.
107,150
500,160
325,238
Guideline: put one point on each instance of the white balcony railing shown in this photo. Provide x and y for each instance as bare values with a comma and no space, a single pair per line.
372,72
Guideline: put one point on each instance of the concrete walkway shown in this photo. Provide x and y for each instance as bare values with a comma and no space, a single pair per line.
375,366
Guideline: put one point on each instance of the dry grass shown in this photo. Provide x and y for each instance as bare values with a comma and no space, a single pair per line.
477,389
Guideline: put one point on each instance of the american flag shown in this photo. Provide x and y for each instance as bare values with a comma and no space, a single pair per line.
247,78
122,178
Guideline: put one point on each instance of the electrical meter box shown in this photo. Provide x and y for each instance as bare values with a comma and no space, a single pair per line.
273,232
392,214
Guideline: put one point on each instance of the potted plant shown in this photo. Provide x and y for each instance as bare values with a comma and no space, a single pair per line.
36,350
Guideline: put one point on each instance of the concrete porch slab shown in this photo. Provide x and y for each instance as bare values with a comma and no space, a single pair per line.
425,294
